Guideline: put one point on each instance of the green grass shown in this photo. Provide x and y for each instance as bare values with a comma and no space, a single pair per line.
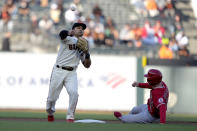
12,125
61,126
86,115
182,117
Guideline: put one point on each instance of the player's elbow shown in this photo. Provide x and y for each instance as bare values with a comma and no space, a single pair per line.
87,64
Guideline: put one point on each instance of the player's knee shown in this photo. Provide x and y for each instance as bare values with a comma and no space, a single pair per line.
74,93
134,111
52,100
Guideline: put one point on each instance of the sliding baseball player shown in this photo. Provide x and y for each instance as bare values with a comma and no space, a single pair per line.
156,107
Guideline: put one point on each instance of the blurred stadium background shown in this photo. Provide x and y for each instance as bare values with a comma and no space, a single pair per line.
126,37
113,26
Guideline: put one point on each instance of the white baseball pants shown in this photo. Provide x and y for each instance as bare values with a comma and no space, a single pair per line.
139,114
60,78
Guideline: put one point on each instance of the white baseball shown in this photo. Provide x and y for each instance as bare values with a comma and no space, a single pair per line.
73,7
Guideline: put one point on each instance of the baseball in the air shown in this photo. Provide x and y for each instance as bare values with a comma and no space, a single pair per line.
73,7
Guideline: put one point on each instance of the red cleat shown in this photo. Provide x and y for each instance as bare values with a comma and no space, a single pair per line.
117,114
69,120
50,118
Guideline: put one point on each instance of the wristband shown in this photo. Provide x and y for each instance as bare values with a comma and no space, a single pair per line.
87,56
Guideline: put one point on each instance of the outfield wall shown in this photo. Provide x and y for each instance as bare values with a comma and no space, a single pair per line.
24,80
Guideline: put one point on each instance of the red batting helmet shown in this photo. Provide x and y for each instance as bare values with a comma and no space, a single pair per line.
154,77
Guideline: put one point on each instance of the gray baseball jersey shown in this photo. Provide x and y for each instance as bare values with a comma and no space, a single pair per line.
68,54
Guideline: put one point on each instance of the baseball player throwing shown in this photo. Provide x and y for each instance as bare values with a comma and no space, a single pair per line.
156,107
73,49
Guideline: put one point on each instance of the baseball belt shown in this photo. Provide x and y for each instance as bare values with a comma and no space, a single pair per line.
68,68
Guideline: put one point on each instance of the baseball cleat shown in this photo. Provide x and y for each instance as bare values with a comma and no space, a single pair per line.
117,114
50,118
69,120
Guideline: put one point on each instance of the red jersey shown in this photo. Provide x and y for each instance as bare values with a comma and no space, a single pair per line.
157,103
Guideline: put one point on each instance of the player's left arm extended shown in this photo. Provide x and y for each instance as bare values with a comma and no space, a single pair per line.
87,60
162,111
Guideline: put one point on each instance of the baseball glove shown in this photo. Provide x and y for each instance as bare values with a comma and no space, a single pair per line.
82,44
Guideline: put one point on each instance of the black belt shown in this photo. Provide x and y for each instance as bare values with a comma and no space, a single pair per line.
68,68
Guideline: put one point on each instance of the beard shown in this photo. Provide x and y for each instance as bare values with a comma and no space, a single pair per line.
79,34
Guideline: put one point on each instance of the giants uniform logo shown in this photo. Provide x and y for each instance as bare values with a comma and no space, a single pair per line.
72,47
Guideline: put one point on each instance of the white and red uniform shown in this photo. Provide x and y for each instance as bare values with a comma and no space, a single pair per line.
68,56
154,110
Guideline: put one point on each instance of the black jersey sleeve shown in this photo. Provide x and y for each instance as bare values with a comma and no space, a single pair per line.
63,34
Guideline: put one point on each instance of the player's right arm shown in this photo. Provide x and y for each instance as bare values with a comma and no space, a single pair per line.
64,33
141,85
